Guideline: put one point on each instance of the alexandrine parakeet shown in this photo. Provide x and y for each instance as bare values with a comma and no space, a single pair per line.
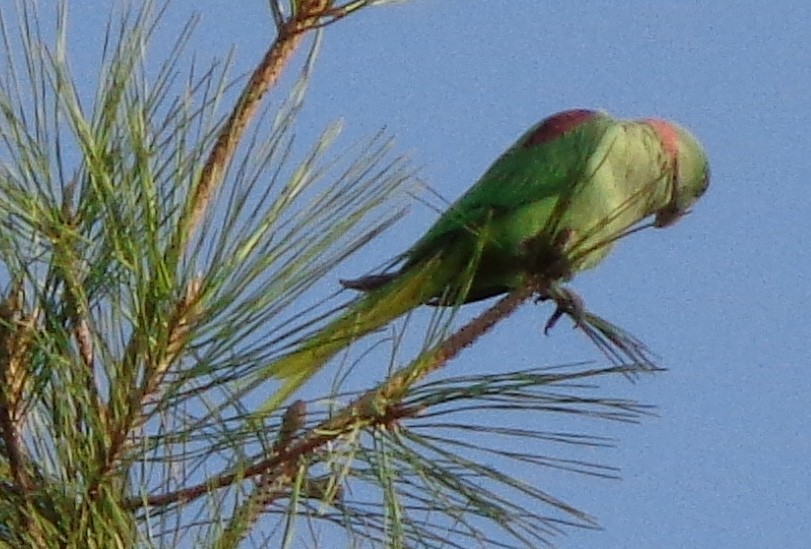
552,205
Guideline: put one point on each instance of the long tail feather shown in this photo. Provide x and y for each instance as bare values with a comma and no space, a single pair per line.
380,306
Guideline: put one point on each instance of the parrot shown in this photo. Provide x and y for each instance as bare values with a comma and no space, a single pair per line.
552,205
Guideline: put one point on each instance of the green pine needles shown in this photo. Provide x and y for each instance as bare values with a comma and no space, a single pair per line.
170,234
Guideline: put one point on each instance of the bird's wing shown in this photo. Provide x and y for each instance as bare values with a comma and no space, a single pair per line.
540,166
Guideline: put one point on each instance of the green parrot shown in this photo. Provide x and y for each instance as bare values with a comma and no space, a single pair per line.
552,205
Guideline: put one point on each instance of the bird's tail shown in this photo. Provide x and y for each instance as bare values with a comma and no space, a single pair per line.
405,291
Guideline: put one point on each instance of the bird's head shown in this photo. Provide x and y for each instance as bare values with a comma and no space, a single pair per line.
690,170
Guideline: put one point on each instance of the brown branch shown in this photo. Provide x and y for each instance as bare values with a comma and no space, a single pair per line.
186,313
63,238
68,271
377,407
266,74
17,332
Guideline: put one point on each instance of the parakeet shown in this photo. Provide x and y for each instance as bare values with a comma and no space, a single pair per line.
552,205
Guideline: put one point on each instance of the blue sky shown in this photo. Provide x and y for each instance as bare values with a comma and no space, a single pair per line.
722,298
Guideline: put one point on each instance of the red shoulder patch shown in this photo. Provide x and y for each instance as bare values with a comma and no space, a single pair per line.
557,125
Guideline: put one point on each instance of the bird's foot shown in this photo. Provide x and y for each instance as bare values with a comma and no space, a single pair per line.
567,302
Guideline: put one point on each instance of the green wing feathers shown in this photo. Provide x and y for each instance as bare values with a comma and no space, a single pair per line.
540,168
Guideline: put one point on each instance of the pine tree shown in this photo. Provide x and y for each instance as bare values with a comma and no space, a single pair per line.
161,243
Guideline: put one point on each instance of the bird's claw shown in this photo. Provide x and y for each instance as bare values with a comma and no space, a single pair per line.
553,320
568,303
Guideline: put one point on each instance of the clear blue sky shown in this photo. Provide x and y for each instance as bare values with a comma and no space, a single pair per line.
723,297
